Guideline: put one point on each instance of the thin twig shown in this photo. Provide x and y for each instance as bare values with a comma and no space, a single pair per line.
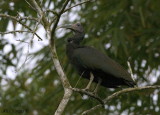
28,18
30,5
26,57
76,5
52,11
130,69
79,79
40,12
12,32
116,94
34,30
54,18
57,14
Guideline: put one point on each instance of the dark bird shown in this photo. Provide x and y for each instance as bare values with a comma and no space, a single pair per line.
94,65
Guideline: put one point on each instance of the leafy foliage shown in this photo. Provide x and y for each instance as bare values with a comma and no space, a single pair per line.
125,30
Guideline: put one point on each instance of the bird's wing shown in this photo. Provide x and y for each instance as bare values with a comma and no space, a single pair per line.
91,58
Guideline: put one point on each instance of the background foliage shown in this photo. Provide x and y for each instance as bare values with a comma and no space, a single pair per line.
126,30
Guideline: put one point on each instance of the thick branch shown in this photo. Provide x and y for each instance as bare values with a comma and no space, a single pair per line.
50,35
116,94
53,49
90,94
63,78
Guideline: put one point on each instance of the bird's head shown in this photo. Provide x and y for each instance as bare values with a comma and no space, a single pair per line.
78,31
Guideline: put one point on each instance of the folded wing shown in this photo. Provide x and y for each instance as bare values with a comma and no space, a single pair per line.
91,58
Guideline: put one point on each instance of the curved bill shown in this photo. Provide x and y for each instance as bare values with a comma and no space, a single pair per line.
65,26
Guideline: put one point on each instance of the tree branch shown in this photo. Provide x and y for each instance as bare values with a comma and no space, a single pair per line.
12,32
77,5
57,14
116,94
90,94
19,21
57,20
58,67
20,18
66,85
52,11
40,12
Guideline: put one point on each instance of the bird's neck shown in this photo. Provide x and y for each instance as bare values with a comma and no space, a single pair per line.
79,35
70,47
77,38
74,43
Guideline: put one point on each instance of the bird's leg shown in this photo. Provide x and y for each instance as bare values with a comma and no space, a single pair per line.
90,81
97,86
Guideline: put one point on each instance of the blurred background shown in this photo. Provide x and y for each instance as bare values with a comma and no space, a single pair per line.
126,30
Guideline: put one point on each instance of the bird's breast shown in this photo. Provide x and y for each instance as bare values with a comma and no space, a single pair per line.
69,51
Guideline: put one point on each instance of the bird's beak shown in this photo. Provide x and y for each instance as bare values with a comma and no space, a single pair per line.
66,26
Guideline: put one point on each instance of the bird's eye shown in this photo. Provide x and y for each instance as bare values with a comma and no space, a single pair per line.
68,40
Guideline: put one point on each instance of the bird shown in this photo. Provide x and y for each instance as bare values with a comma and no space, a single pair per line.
93,64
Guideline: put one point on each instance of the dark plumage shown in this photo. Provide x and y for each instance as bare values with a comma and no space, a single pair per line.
87,59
